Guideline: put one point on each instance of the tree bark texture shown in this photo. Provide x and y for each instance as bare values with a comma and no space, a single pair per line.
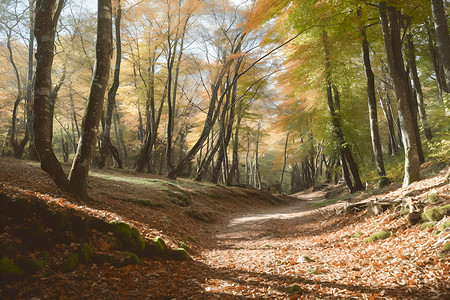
389,18
79,173
411,55
442,36
105,142
373,114
47,15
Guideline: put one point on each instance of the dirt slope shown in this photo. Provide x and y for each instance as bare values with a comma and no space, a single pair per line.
244,243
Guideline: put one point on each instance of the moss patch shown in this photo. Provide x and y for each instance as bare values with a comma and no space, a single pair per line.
9,268
180,254
427,225
85,254
160,244
356,235
184,246
133,259
436,213
380,235
445,250
70,262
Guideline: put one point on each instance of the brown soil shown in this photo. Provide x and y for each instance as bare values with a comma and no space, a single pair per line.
256,246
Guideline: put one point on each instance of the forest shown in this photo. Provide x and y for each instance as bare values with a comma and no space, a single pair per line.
134,110
270,94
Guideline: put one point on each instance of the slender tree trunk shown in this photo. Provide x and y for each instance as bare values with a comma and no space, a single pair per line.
47,14
280,188
79,173
247,167
442,36
333,104
437,66
373,115
411,54
30,78
393,48
105,141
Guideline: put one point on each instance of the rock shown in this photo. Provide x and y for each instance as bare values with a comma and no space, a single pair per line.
160,244
85,254
184,246
9,269
436,213
70,262
414,217
81,227
295,289
30,266
380,235
33,234
179,254
138,245
131,258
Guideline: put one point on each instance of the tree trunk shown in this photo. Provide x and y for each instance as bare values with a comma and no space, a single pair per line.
442,36
105,141
373,115
44,30
29,96
411,54
280,188
437,66
393,49
332,103
79,173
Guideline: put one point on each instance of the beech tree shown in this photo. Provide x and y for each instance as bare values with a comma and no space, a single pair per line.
391,28
47,14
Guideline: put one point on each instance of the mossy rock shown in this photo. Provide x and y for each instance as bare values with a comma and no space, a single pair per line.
131,258
160,244
356,235
70,262
85,254
436,213
445,250
445,225
138,245
380,235
81,228
179,254
9,269
295,289
184,246
30,266
428,225
33,234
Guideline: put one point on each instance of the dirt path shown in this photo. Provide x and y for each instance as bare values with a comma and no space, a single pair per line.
297,252
251,225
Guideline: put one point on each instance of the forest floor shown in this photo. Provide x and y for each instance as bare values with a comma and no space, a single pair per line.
244,243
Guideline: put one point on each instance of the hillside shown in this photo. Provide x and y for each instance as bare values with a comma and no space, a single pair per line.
242,243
